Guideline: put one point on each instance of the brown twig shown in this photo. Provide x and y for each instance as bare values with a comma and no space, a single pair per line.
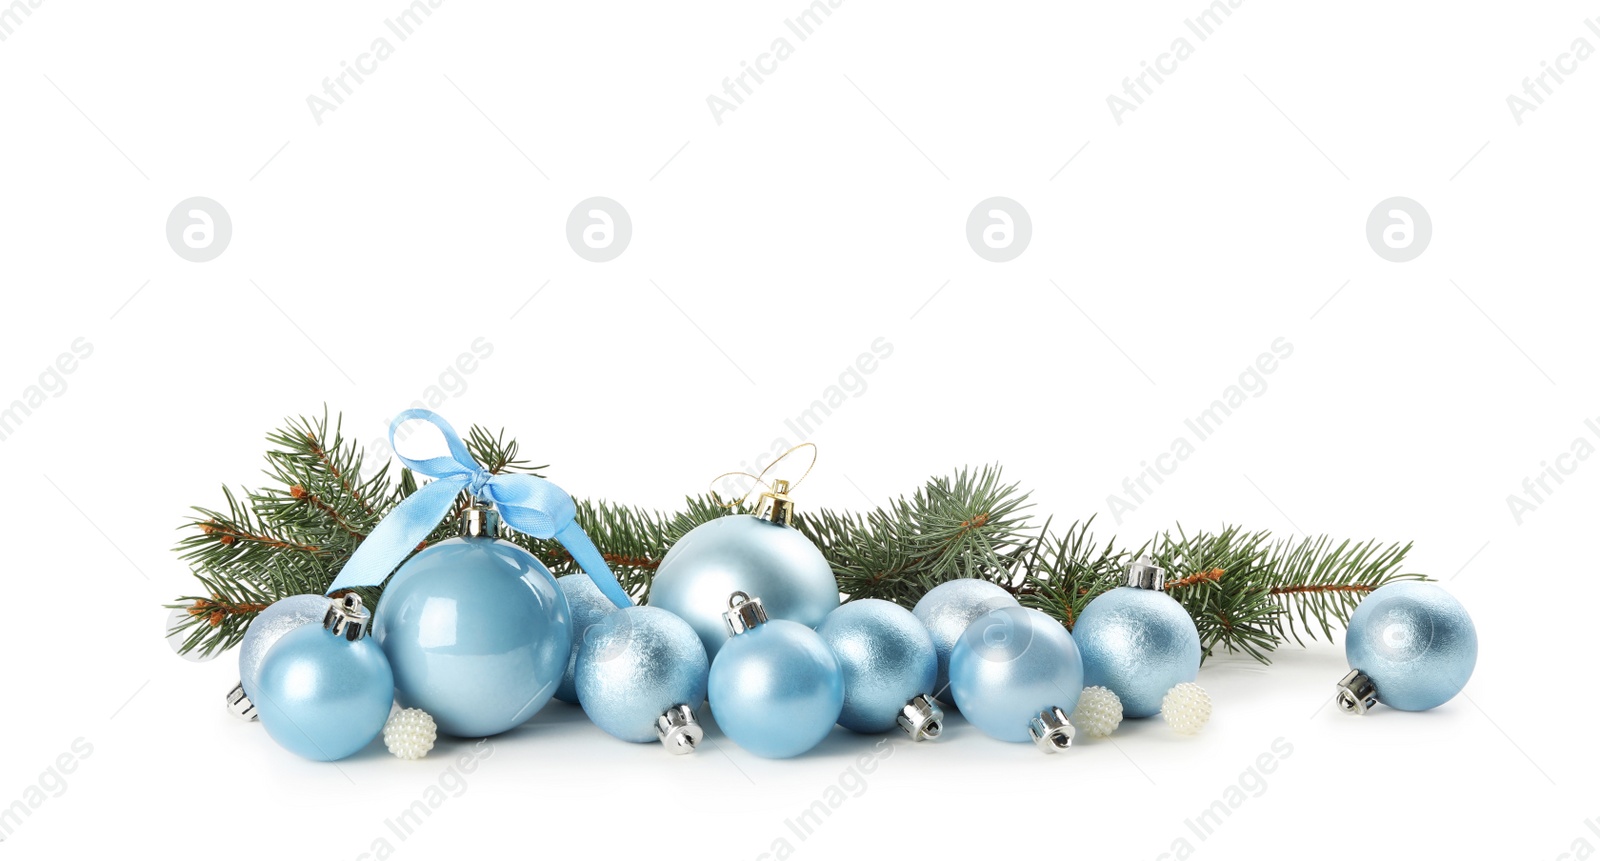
1296,590
229,535
1211,575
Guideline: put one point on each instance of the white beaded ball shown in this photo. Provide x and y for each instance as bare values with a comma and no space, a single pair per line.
1186,707
410,733
1099,712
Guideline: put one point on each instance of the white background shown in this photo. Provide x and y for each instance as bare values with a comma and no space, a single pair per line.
770,250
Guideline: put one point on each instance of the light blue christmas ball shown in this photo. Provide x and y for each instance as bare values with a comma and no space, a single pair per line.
588,606
1415,642
478,635
1139,643
1010,665
743,553
887,658
285,615
322,696
947,610
776,689
635,665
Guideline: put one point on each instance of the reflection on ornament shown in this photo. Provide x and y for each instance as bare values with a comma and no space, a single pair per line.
1410,645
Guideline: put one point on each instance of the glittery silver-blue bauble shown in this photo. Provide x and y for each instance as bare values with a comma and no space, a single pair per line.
889,668
324,691
1138,641
283,616
775,687
641,675
1411,646
588,606
947,610
476,630
1017,675
744,553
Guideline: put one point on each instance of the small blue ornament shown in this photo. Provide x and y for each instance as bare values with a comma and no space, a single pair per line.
1016,675
325,692
285,615
476,630
947,610
888,662
641,674
1411,646
588,606
745,553
1138,641
775,688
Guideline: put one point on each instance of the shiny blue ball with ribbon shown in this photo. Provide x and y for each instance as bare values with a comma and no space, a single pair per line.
477,633
637,664
325,694
1414,642
1010,665
775,687
588,607
887,658
475,628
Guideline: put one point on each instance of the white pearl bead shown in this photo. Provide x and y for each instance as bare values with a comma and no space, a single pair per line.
1187,708
410,733
1099,712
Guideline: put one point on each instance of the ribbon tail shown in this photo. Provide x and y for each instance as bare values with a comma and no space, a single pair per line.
589,559
398,534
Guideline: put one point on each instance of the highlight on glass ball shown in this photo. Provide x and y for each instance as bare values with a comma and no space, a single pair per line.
1411,646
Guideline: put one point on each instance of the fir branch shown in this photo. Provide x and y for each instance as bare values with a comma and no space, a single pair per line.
1245,592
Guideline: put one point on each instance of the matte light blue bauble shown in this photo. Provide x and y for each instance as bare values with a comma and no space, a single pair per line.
776,689
1415,642
743,553
886,656
947,610
322,696
285,615
1139,643
588,606
636,664
1010,665
478,635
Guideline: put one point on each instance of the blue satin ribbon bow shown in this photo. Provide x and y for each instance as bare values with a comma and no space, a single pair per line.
526,503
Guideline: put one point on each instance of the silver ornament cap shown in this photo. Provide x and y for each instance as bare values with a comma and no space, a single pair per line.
679,730
744,613
480,521
347,618
1144,573
239,704
1356,693
921,718
1051,730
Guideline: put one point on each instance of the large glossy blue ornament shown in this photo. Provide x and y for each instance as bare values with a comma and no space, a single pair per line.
1411,646
1011,665
1138,641
887,658
283,616
641,674
775,687
325,693
477,631
588,606
750,554
946,611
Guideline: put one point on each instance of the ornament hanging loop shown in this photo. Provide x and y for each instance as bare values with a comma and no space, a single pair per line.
775,499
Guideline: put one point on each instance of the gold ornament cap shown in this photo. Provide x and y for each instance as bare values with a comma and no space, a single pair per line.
776,505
